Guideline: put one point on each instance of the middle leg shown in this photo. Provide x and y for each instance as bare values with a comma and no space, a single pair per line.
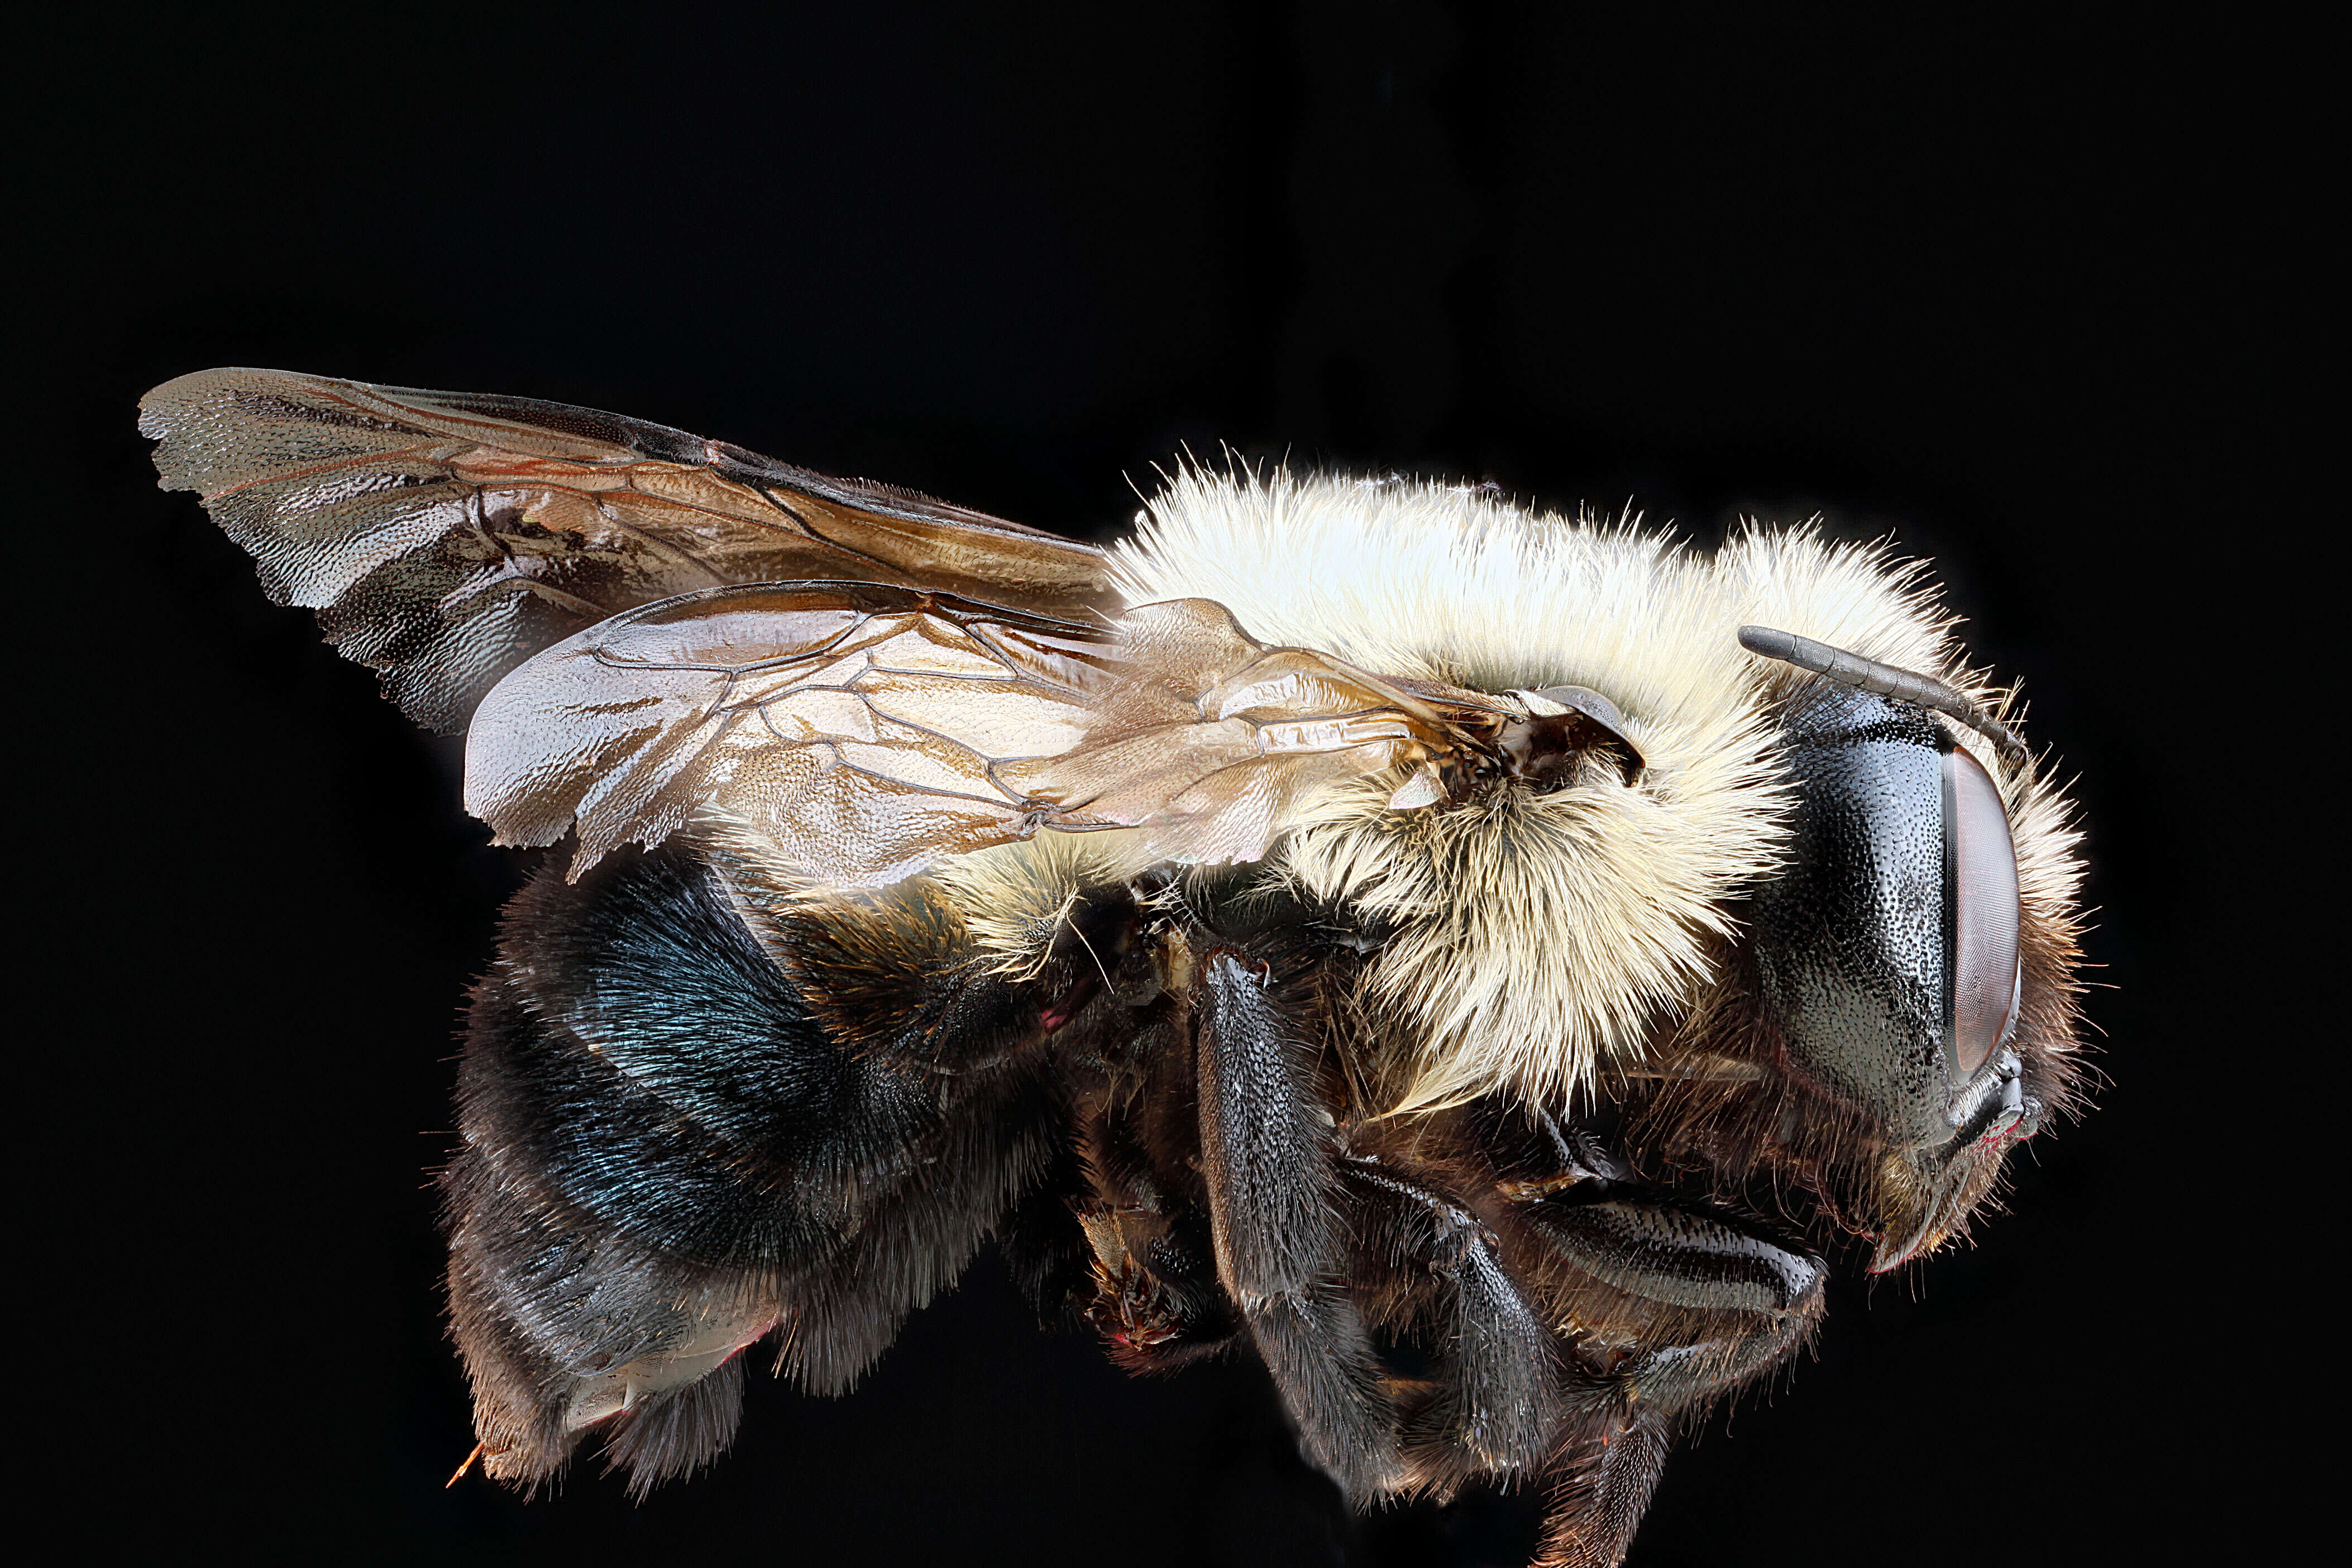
1266,1155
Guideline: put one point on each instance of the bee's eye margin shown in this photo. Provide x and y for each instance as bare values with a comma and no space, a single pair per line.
1982,977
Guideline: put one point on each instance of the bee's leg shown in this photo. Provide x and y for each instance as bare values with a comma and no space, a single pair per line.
1669,1306
1266,1158
668,1155
1604,1488
1152,1288
1495,1406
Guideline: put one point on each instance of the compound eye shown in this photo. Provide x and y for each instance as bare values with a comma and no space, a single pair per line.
1980,883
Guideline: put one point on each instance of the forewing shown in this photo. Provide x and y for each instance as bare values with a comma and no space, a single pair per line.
1217,744
865,732
859,728
446,537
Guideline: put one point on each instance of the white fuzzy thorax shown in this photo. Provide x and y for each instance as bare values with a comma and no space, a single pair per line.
1538,938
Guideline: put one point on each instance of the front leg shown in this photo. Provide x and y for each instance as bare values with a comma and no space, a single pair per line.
1666,1306
1267,1157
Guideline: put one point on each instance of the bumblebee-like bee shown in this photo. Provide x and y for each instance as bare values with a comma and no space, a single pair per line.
1477,961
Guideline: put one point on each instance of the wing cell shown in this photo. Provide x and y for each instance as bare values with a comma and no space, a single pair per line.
639,624
868,731
446,537
861,727
1217,743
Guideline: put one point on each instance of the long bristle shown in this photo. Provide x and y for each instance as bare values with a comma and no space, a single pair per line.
1540,939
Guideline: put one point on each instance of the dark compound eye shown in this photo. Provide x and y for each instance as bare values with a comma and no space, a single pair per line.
1980,885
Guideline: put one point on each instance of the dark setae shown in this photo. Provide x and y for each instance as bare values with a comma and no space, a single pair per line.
1479,963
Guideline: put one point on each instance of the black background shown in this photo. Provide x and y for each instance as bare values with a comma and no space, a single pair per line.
2022,294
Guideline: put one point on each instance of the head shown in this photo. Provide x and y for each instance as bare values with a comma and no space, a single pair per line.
1748,916
1905,985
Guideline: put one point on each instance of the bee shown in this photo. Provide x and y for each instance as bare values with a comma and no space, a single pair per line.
1483,963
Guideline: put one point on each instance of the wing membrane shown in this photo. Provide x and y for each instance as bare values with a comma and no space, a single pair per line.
866,731
860,728
444,537
641,624
1217,744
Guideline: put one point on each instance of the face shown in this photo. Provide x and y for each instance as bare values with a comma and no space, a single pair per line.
1889,957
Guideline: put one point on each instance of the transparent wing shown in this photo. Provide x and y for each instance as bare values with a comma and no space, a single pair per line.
862,728
868,731
446,537
1218,744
